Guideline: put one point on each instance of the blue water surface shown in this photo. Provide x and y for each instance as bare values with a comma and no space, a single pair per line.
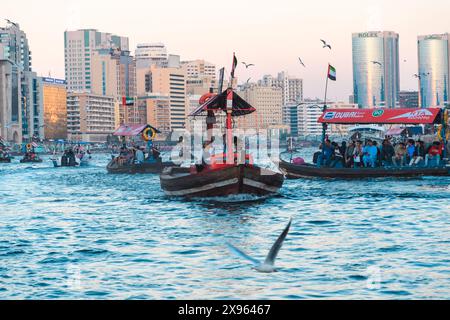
80,233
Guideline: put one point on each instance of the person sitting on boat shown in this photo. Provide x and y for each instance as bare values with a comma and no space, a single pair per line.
434,153
358,154
348,156
387,153
327,153
140,156
410,150
400,154
419,154
370,154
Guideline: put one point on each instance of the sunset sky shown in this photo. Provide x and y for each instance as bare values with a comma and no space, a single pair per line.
270,34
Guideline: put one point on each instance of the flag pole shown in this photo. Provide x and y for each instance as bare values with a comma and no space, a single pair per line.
324,125
229,126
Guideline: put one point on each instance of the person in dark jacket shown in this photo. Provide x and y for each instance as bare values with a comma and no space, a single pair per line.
387,152
419,154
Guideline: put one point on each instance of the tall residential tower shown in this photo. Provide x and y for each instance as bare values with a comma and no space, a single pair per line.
434,69
376,76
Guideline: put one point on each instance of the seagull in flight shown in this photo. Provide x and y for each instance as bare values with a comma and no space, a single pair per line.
376,62
13,23
248,65
301,62
325,44
269,264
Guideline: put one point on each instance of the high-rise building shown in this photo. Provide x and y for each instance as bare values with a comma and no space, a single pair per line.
268,102
10,96
292,88
114,74
54,99
26,106
90,117
409,99
376,76
155,110
170,82
434,69
201,76
79,48
148,54
308,113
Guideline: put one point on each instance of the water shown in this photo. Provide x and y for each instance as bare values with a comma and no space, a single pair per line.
83,234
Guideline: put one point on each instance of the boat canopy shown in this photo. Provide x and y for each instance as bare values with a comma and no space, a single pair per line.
219,102
132,130
396,131
381,116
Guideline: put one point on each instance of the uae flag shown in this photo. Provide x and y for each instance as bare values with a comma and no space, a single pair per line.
331,72
235,63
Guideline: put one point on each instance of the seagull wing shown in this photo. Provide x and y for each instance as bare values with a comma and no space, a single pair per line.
243,254
329,46
270,260
324,42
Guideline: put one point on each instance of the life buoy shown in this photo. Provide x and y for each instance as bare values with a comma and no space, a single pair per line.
146,136
206,97
29,146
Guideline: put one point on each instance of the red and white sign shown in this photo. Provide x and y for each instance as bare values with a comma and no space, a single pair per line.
380,116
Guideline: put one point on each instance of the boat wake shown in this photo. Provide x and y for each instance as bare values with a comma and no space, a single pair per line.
235,198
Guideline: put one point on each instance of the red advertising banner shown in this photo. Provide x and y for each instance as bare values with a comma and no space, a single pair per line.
380,116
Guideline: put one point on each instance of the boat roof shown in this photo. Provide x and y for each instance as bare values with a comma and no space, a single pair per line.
132,130
381,116
219,102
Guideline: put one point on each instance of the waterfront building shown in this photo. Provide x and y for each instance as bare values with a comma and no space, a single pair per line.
90,117
292,88
201,76
376,76
54,99
308,113
79,48
155,110
409,99
148,54
114,74
23,109
169,82
268,101
434,69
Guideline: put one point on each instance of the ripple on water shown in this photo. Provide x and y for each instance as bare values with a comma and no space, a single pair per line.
120,237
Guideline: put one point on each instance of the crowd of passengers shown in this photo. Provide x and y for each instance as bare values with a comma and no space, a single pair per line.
371,154
136,155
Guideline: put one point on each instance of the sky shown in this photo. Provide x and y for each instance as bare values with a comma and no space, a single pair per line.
270,34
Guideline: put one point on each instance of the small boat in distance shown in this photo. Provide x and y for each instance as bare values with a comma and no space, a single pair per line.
134,160
230,173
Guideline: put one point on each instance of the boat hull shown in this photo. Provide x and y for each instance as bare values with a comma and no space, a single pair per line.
309,171
231,180
149,168
8,160
31,161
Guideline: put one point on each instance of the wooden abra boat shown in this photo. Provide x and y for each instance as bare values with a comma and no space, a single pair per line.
223,175
151,167
312,171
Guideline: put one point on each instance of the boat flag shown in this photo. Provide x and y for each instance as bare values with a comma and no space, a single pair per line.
331,72
235,63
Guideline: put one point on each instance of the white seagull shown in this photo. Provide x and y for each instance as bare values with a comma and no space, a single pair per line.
248,65
269,265
325,44
376,62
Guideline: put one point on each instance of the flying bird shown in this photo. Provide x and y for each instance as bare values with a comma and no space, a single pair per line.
248,65
376,62
269,264
301,62
13,23
325,44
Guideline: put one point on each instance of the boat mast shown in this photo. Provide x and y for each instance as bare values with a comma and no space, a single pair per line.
229,125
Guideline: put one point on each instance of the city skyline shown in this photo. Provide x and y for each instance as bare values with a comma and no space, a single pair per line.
271,38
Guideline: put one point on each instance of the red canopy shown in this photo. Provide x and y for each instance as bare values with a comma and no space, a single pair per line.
130,130
380,116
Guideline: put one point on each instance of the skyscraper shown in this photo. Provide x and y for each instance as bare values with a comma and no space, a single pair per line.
434,69
23,110
376,76
54,97
79,47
